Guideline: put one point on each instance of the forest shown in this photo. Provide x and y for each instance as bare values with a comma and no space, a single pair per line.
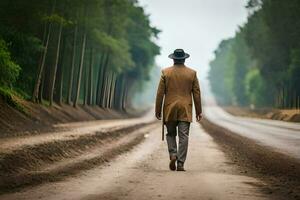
260,66
76,52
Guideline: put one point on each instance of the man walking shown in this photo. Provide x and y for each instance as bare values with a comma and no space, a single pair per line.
177,85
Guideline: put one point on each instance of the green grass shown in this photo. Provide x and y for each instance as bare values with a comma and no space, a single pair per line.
10,97
21,94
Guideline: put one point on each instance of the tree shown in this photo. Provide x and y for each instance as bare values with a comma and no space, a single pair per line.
80,53
266,52
9,70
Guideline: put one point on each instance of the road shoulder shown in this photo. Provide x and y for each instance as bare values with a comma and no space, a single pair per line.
278,170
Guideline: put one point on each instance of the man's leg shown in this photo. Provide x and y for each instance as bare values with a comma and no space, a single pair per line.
183,134
171,138
172,146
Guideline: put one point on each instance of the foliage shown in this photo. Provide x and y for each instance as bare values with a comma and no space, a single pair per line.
70,49
270,41
255,88
9,70
220,73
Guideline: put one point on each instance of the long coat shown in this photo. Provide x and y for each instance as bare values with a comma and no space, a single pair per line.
177,85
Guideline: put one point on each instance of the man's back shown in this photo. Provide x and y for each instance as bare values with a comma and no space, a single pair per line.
179,80
178,83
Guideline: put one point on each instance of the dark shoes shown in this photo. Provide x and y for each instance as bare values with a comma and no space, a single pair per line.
180,166
172,164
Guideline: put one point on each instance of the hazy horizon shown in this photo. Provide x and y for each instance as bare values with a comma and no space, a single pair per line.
197,26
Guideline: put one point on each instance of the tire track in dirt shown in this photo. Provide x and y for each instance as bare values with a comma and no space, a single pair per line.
54,160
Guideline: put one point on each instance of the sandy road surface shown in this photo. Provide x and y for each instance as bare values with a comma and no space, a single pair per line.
143,174
71,131
283,137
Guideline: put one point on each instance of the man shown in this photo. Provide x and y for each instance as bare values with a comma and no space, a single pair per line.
177,85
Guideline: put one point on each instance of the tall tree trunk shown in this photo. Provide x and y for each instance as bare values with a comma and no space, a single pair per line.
85,86
55,65
90,93
41,67
71,78
115,93
124,97
104,97
60,89
100,79
108,90
104,81
42,64
60,72
80,70
128,93
41,89
112,92
123,94
121,89
118,92
45,35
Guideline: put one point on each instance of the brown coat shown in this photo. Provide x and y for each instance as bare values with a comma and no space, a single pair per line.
177,84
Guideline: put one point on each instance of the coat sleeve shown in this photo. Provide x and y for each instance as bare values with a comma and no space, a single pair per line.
197,95
160,94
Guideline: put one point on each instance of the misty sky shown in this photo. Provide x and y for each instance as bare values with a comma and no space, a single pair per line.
197,26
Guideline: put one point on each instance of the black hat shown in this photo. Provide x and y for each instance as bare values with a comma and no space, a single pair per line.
179,54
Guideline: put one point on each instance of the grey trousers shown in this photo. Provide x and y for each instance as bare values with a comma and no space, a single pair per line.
183,135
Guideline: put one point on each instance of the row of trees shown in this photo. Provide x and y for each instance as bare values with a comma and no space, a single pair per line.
260,66
91,52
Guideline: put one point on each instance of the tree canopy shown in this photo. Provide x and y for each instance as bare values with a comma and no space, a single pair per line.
263,64
76,51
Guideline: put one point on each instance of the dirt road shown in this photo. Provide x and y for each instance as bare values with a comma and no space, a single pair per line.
143,174
282,137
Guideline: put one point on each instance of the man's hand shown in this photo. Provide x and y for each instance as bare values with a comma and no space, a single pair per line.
158,116
199,117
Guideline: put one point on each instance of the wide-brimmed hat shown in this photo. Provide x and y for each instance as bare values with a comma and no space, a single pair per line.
179,54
